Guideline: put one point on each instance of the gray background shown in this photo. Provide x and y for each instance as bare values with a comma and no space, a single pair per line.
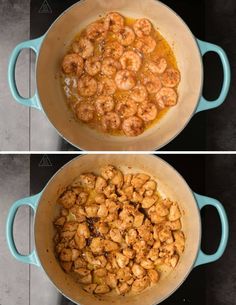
20,284
28,285
28,129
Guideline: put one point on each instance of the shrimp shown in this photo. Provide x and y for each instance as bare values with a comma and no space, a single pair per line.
130,60
147,112
104,103
96,31
111,120
110,66
152,83
139,93
126,36
170,78
92,65
87,86
157,67
83,47
166,97
114,21
85,111
73,63
106,86
126,109
142,27
125,79
133,126
113,49
146,44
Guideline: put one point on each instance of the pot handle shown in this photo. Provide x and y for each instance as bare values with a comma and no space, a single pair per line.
205,47
35,46
33,203
203,258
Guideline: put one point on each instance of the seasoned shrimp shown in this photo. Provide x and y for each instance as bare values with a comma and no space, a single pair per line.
166,97
84,111
92,65
147,112
73,63
104,103
130,60
87,86
83,47
125,79
139,93
106,86
110,66
113,49
151,82
146,44
126,108
170,78
158,66
119,64
133,126
96,31
115,22
111,120
126,36
142,27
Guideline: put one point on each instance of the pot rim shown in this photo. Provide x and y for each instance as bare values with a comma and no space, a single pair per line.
197,100
179,176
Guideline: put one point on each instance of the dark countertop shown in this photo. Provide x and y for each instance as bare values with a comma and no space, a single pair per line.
212,175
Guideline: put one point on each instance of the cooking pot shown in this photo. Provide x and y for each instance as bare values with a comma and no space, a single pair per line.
51,48
170,183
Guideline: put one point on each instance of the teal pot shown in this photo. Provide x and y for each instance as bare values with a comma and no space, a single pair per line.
50,99
170,183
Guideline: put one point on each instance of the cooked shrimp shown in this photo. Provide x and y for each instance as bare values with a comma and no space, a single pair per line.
113,49
125,79
126,36
133,126
142,27
151,82
157,67
104,103
147,112
84,111
126,108
166,97
87,86
106,86
73,63
83,47
170,78
146,44
92,65
111,120
110,66
139,93
130,60
114,21
96,31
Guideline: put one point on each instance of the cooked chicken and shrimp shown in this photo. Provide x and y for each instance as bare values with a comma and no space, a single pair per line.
120,75
115,232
